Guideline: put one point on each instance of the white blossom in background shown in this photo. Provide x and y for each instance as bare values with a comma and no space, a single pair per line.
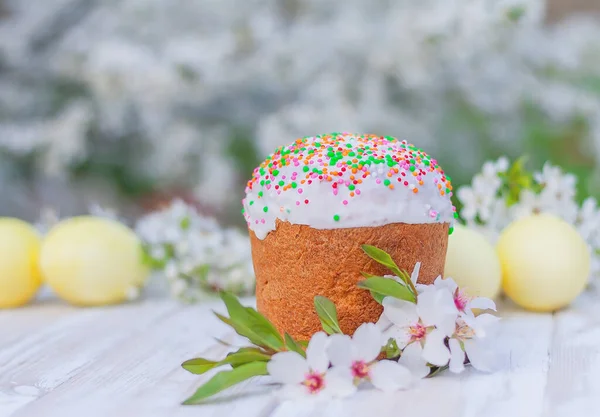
48,217
195,254
549,191
165,85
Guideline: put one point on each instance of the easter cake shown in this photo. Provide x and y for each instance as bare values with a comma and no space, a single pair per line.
312,204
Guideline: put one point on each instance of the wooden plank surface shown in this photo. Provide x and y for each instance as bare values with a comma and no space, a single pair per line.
57,360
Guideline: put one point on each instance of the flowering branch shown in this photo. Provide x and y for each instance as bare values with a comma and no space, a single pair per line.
424,330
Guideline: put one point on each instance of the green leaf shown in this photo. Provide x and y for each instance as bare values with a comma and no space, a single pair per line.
199,366
243,356
250,323
391,349
405,277
254,349
226,379
224,319
518,178
377,297
185,223
294,346
235,309
264,323
515,13
241,330
327,314
387,287
382,257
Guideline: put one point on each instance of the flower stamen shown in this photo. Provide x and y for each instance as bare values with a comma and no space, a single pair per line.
464,331
417,332
314,381
360,369
461,300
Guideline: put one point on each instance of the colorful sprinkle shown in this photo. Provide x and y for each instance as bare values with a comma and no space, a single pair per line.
346,162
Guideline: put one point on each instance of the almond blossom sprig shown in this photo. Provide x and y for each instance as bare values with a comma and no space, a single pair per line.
504,192
422,326
423,330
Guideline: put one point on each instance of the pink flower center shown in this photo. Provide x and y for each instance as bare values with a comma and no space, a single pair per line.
314,381
360,369
460,300
417,331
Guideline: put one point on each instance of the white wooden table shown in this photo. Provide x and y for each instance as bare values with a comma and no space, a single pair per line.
57,360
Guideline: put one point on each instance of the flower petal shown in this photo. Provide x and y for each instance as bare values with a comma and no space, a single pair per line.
435,351
412,359
457,357
482,303
390,376
341,350
437,308
447,324
367,342
477,355
292,392
422,288
401,313
433,304
447,282
339,383
399,334
316,354
384,324
481,323
287,368
415,273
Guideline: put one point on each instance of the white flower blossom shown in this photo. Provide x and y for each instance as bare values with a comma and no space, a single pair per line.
467,341
417,324
424,331
359,355
478,199
311,376
588,218
462,301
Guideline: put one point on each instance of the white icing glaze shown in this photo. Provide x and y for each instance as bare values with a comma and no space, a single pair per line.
321,205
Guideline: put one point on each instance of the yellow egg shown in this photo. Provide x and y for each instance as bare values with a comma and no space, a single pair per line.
92,261
545,262
20,277
473,263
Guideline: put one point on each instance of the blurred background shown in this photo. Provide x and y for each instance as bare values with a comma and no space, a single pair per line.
128,103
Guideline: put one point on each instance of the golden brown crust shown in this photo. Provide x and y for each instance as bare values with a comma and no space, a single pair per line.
295,263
